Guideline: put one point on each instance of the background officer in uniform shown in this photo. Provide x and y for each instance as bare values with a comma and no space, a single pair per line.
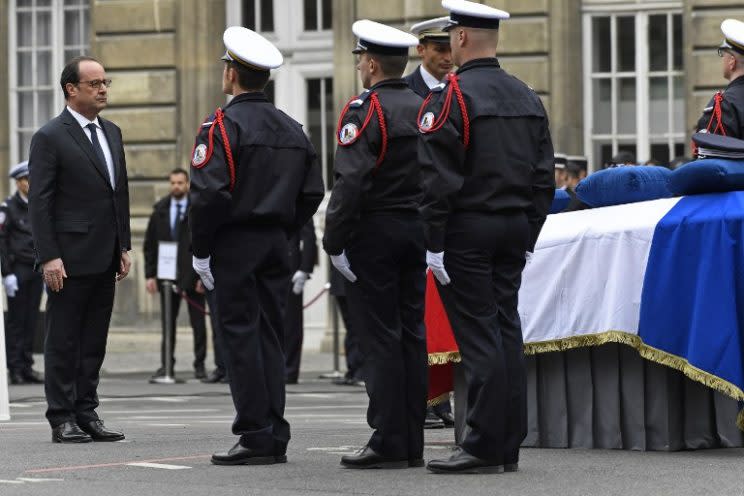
169,222
255,183
374,235
23,285
436,56
436,63
488,173
354,358
725,113
303,255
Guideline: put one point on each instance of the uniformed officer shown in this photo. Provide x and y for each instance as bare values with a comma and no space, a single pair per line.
23,285
435,53
724,114
487,160
374,235
255,183
560,160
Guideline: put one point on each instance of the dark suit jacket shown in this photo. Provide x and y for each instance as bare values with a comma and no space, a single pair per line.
303,258
75,213
159,229
416,83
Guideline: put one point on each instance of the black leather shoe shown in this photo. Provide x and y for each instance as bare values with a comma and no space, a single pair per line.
368,458
511,467
444,412
432,420
214,377
31,376
463,462
240,455
17,378
69,432
100,432
415,462
200,372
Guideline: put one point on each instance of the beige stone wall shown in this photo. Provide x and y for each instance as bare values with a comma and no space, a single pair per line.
164,58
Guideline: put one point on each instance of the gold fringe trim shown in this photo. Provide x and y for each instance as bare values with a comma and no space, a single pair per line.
438,400
648,352
444,358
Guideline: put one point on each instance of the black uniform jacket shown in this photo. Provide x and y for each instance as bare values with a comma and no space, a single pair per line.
303,249
75,213
159,229
416,82
16,242
275,179
508,165
732,111
361,186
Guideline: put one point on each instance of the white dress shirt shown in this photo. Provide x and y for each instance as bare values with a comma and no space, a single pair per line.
84,121
430,80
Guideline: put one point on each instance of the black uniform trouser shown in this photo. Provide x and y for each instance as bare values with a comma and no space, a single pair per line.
386,304
23,313
253,282
354,358
196,319
217,345
484,256
293,334
77,324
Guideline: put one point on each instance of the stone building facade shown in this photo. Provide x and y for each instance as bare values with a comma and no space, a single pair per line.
614,75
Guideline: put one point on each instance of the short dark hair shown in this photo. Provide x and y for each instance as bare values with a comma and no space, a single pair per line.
251,79
573,170
71,72
391,65
179,170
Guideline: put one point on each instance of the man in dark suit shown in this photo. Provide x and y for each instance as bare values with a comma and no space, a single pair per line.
436,56
303,255
169,222
79,211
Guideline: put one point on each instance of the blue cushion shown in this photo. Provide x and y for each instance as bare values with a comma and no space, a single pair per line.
708,176
624,185
560,201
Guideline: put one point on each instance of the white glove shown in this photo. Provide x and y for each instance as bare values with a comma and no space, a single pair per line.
528,257
11,285
343,266
435,261
298,281
201,266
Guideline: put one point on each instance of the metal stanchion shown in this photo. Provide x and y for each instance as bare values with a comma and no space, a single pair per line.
336,374
168,332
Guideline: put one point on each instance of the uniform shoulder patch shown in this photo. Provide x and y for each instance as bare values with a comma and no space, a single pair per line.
427,121
200,155
348,133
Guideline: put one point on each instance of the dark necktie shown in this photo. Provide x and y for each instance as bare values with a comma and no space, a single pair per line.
176,222
98,150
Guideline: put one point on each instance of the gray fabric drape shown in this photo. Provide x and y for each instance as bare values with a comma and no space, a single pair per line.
608,397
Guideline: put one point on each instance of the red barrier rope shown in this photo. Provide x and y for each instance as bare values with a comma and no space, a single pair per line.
206,312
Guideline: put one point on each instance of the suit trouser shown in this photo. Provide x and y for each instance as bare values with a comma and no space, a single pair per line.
196,319
77,326
484,257
23,313
386,304
217,345
293,334
253,284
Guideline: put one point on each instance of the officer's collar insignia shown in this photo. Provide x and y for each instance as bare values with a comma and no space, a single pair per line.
360,100
427,121
207,124
438,88
348,133
200,155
